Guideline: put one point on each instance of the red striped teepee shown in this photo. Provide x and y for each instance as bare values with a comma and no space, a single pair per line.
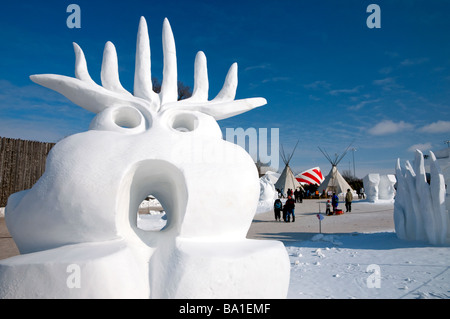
311,176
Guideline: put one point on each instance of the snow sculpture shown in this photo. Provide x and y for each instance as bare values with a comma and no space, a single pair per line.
267,195
419,209
76,227
443,159
386,190
379,187
371,182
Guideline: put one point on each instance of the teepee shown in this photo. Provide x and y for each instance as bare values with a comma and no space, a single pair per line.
287,179
334,182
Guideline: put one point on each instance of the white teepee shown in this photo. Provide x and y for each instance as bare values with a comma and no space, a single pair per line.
287,179
334,182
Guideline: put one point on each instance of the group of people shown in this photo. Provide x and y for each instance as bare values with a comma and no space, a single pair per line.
288,209
335,201
297,195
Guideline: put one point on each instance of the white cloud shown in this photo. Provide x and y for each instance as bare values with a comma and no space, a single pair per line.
314,98
420,147
345,91
263,66
36,113
389,127
317,85
385,70
408,62
362,104
388,84
276,79
436,127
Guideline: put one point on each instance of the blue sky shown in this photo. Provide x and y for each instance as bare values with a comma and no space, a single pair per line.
328,78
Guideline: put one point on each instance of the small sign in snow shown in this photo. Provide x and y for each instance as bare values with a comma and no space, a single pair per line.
320,217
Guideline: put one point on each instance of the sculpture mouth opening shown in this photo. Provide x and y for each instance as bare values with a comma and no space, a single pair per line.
165,182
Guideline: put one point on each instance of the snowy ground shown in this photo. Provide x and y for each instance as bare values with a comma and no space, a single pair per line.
154,221
341,262
368,266
337,266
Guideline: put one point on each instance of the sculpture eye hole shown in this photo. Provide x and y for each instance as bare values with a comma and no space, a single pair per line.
184,122
124,119
127,117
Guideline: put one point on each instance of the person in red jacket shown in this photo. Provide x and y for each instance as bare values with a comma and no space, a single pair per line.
290,209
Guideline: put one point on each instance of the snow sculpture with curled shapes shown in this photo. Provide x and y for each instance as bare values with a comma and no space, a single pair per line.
82,211
419,210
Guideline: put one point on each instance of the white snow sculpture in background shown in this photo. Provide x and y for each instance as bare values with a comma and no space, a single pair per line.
267,195
379,187
371,182
76,227
386,189
419,210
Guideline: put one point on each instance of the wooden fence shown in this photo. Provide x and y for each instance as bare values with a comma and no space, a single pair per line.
22,163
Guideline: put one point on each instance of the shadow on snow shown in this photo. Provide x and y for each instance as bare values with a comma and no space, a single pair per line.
376,241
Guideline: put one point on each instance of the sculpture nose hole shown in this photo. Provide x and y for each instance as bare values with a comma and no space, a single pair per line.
151,215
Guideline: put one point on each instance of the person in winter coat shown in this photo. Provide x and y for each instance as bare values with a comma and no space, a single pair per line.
277,207
328,209
348,201
290,208
334,202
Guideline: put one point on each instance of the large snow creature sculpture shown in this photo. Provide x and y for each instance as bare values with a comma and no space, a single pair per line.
76,227
419,210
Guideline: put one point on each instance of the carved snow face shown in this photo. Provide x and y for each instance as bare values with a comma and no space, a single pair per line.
139,144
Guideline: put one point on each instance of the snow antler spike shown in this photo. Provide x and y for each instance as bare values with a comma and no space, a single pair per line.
201,84
110,70
83,91
143,87
81,70
169,86
228,91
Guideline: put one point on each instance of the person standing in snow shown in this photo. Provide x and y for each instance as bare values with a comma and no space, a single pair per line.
289,192
348,201
277,207
300,195
290,208
361,191
334,202
328,209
